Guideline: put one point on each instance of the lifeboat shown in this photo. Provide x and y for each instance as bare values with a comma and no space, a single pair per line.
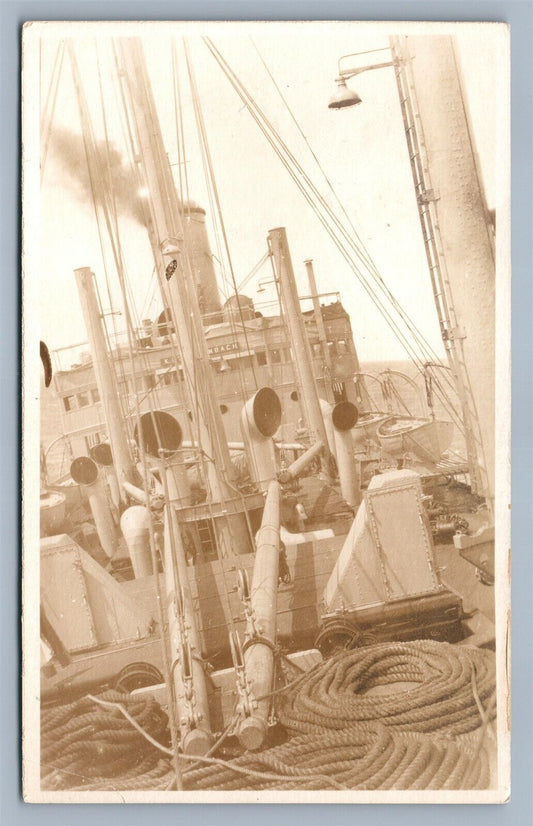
427,439
366,427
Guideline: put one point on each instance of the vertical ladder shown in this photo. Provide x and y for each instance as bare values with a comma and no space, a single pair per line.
207,540
426,199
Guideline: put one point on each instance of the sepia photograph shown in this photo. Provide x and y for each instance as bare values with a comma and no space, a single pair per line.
266,441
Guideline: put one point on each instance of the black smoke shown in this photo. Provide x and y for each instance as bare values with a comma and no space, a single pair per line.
68,150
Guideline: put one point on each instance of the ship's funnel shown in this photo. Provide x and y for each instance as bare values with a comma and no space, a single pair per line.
164,326
260,418
135,527
201,261
160,432
85,472
238,308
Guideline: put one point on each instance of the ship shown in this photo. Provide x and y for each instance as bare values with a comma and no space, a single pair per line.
245,519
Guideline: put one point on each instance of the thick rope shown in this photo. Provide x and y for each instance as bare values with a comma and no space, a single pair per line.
419,686
87,746
398,716
362,757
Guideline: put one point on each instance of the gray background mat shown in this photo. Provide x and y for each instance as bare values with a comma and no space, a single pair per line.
519,812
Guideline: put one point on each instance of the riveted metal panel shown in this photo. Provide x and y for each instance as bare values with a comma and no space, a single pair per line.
65,599
401,535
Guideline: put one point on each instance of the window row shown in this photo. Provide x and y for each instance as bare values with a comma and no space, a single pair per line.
143,384
79,400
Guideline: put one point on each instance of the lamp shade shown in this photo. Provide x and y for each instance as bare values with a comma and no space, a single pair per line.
343,96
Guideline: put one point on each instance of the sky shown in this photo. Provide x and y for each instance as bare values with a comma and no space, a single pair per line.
362,152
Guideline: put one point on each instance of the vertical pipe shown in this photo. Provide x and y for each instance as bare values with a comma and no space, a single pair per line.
339,420
105,378
319,320
349,472
135,527
277,239
344,417
113,485
259,654
103,456
327,415
85,472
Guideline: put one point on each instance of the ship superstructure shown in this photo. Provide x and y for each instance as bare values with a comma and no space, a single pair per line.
247,350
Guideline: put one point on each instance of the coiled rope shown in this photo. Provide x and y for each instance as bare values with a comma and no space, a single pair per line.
412,715
421,686
88,746
388,716
365,756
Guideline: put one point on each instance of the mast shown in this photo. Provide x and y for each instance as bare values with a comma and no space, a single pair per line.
277,240
172,253
105,379
456,232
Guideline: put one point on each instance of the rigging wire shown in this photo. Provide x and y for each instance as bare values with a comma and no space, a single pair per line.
266,126
255,269
99,206
195,366
110,209
365,254
203,363
47,119
316,200
180,137
113,230
174,338
152,392
206,155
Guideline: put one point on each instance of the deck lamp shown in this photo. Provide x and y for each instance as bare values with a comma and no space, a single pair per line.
343,96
